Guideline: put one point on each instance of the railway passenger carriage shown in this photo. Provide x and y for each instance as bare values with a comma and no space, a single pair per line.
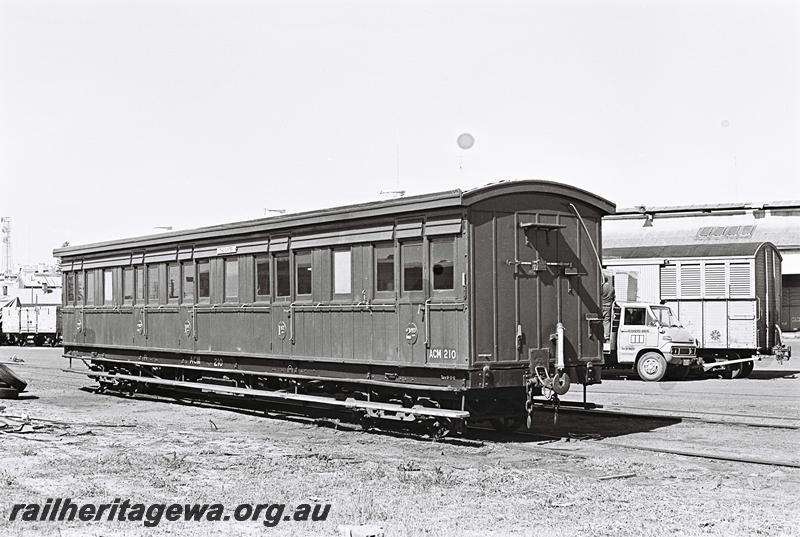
437,308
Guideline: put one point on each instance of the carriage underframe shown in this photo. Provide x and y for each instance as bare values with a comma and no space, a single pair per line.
406,402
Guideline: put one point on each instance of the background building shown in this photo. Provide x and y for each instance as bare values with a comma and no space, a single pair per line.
39,284
692,225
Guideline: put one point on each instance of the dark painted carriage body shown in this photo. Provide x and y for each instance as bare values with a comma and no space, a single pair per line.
469,331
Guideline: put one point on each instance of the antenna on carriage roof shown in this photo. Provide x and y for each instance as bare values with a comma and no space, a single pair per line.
398,192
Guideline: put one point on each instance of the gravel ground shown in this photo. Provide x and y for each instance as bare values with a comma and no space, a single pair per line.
482,485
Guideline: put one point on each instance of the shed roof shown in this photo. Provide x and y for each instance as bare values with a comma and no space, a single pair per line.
714,249
708,207
411,204
35,279
783,232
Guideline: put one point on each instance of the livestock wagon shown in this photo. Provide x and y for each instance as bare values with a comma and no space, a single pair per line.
435,308
727,295
20,322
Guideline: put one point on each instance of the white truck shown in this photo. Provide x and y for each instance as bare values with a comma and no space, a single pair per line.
650,339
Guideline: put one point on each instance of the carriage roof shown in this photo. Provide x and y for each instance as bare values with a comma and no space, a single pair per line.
451,199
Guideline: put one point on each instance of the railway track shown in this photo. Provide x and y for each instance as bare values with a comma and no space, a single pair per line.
681,448
653,449
591,441
709,413
705,455
490,435
668,414
674,393
597,440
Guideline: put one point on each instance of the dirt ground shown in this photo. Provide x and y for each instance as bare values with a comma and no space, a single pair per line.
482,485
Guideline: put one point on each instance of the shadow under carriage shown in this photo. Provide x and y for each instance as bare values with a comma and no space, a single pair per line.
574,424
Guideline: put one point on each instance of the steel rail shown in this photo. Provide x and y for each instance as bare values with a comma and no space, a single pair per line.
681,452
617,413
704,393
754,416
711,456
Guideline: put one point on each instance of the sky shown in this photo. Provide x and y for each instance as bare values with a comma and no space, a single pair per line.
118,117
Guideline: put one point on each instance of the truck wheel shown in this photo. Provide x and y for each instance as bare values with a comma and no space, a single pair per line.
651,367
677,372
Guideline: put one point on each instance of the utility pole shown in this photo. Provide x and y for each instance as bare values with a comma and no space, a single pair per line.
5,226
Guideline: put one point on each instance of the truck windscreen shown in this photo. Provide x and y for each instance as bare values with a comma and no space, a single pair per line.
664,315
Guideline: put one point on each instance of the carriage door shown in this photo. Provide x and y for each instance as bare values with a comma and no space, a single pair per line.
538,279
187,312
139,317
554,284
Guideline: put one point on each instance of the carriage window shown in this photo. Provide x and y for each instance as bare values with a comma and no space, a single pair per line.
188,282
232,280
140,285
282,287
152,284
70,283
173,282
302,263
342,272
108,287
635,316
127,285
203,282
384,267
442,264
262,276
412,266
80,286
89,287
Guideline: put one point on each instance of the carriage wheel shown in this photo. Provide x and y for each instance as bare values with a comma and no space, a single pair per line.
507,424
732,371
438,428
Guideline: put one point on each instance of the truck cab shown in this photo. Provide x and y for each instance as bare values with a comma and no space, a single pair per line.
651,339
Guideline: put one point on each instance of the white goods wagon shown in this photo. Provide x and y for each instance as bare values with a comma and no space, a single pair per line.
37,323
